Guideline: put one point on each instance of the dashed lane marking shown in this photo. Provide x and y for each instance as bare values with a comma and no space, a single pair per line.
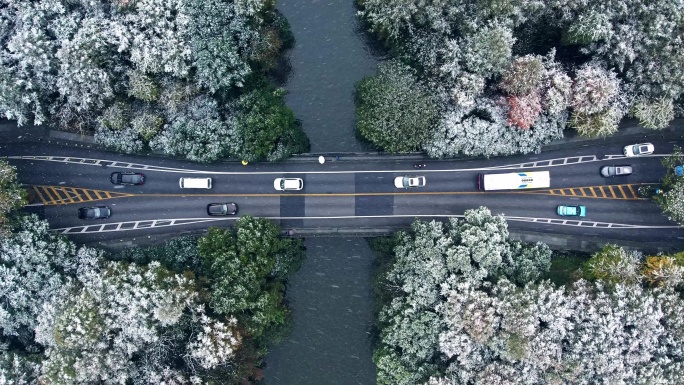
156,223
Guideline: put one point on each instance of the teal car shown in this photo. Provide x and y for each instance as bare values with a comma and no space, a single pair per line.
572,211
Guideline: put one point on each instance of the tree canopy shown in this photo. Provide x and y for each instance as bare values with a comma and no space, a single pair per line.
506,76
464,305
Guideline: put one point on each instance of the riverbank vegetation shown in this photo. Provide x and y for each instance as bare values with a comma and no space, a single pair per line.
461,304
195,310
672,201
509,78
177,77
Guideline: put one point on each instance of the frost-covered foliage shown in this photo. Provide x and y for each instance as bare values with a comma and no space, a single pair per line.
72,63
264,128
394,111
463,306
523,111
69,316
18,369
641,39
542,335
221,40
246,268
460,48
486,52
484,130
594,89
12,195
435,258
215,342
655,115
673,202
614,264
524,75
31,263
199,133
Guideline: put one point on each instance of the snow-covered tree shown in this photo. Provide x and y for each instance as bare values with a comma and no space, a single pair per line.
394,111
199,133
245,268
31,264
430,263
116,315
673,202
483,130
655,115
19,369
614,264
524,75
12,195
263,127
221,40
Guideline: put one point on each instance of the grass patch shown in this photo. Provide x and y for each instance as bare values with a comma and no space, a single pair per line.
564,267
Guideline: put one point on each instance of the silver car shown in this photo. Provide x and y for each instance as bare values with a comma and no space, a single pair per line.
608,171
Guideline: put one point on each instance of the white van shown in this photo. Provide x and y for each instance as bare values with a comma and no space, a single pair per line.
195,183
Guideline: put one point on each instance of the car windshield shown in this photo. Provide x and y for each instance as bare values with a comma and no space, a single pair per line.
282,183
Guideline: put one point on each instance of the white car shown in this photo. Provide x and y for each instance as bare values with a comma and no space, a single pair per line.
409,181
638,149
282,184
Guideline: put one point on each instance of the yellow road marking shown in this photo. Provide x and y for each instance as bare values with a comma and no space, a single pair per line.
634,194
76,194
622,191
610,188
593,192
40,196
46,190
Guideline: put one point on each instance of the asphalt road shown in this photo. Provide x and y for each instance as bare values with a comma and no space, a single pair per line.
352,193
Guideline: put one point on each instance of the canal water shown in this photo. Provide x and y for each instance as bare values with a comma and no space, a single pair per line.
330,299
331,54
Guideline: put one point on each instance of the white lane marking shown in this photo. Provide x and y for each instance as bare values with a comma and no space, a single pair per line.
154,223
556,162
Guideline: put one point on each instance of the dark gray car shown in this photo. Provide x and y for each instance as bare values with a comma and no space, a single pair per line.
97,212
128,178
229,208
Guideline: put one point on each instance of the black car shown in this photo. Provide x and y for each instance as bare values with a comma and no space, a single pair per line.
128,178
222,208
97,212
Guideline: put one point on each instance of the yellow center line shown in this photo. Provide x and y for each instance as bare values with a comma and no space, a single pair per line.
46,196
